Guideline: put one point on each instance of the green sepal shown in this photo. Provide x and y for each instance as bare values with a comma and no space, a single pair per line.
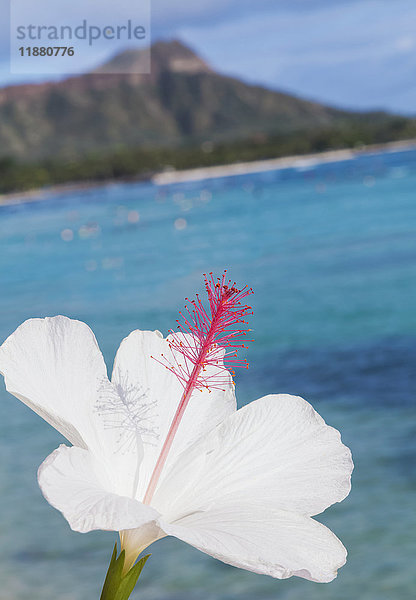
130,579
116,585
113,577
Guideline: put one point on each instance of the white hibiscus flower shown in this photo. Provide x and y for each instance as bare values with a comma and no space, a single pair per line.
152,455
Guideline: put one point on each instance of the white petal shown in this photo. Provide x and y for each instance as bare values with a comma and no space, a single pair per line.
75,483
272,542
153,393
135,541
276,450
55,366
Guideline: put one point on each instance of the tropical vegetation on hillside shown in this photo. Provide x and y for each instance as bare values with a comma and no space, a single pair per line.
112,125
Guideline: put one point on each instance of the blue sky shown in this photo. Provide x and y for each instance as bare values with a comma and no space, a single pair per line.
353,53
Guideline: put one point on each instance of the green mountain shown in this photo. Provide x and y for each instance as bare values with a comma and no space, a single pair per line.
182,101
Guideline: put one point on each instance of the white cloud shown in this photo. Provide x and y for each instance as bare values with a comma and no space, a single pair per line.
406,43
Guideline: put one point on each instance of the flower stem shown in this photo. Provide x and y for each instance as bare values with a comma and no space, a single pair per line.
119,586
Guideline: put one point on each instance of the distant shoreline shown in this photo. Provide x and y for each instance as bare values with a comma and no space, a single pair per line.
172,177
274,164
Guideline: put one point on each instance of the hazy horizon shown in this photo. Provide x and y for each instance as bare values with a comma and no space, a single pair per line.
343,53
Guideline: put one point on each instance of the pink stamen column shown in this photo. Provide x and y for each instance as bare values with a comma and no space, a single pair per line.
211,331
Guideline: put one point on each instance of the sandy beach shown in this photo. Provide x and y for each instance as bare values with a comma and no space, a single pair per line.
169,177
297,161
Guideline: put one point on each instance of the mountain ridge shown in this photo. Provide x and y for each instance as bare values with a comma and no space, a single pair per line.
182,101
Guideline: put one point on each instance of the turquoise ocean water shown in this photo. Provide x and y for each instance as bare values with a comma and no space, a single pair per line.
330,251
